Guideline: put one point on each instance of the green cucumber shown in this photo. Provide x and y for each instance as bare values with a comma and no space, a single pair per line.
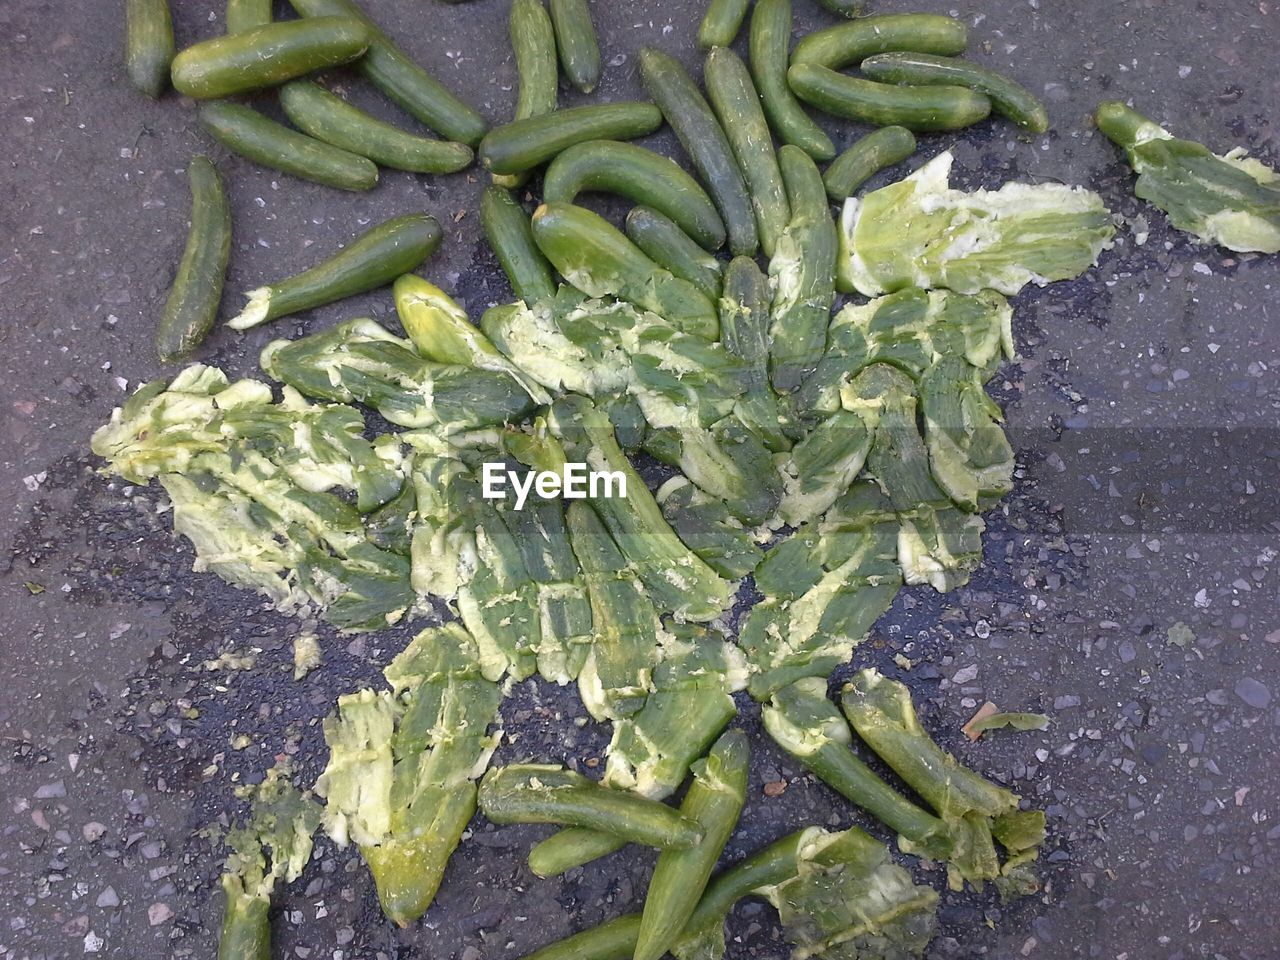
848,43
524,144
867,157
769,48
595,257
845,8
410,87
640,175
193,301
274,145
148,44
244,15
721,23
327,117
510,235
533,39
1008,98
882,104
267,56
669,247
702,138
576,40
374,259
737,104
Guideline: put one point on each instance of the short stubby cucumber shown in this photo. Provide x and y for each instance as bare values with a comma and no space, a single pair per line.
267,56
1008,98
577,43
510,235
148,44
922,109
326,116
274,145
524,144
769,47
849,43
721,23
193,302
868,156
640,175
373,260
667,245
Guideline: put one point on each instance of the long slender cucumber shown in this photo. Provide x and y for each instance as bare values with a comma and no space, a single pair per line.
524,144
244,15
615,940
274,145
373,260
770,46
867,157
510,235
883,104
267,56
1008,97
668,246
737,104
326,116
721,23
393,72
197,289
703,139
533,39
640,175
577,43
594,256
148,44
848,43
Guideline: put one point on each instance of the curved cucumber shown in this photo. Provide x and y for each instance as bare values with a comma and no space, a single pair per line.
148,44
373,260
882,104
326,116
267,56
274,145
877,150
721,23
197,289
410,87
667,245
640,175
244,15
849,43
511,237
1008,98
769,48
594,256
737,104
576,40
702,138
524,144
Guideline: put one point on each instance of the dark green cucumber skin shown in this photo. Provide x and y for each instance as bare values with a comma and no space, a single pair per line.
871,154
193,301
410,87
533,39
524,144
274,145
149,44
721,23
1008,98
372,260
639,175
327,117
921,109
510,235
244,15
849,43
267,56
703,139
737,104
770,44
669,247
577,43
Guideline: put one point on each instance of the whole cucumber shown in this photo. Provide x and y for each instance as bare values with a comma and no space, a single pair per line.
770,45
871,154
671,248
721,23
510,235
882,104
148,44
524,144
846,44
576,40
